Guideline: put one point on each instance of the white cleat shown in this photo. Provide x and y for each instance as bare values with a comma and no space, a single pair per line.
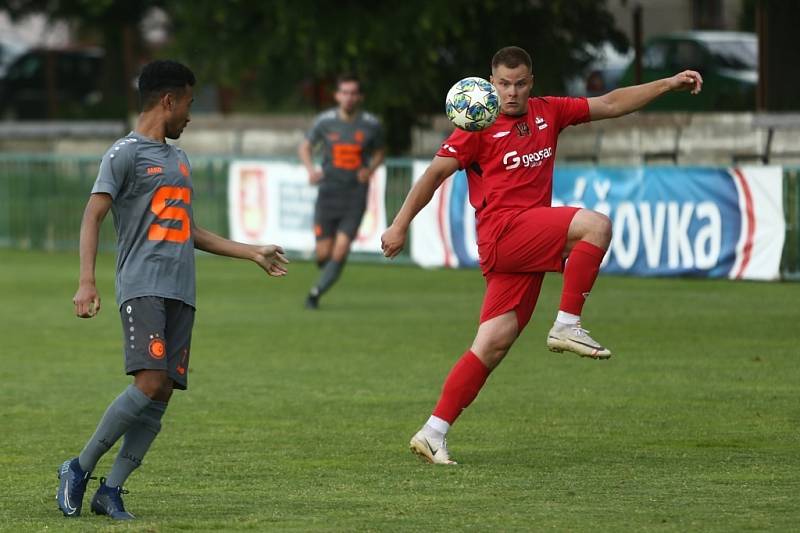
564,338
431,450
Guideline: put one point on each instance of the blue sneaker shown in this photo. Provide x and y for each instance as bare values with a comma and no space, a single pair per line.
72,483
108,501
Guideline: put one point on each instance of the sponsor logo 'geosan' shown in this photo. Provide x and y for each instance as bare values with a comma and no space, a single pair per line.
513,160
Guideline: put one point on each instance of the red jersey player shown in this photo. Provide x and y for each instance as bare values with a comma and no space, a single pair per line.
520,237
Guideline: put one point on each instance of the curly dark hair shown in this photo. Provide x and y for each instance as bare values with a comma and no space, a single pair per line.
161,76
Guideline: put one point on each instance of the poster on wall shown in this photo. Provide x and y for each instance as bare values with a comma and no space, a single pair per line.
667,221
272,202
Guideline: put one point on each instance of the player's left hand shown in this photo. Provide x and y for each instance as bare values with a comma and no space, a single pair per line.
688,80
363,175
271,259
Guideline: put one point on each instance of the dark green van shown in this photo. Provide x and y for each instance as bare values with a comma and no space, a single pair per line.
728,62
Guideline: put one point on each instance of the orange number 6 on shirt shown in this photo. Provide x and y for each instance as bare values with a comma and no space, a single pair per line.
159,206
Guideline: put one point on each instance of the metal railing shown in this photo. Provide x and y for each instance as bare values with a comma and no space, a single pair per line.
42,198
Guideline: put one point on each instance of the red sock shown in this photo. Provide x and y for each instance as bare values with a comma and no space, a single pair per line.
461,387
582,268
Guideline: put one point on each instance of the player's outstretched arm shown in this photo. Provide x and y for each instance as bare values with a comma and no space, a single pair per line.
87,299
629,99
269,257
394,238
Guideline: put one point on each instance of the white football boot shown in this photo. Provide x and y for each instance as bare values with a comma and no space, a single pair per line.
566,338
430,449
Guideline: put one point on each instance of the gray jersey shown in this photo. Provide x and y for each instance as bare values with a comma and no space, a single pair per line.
151,189
346,147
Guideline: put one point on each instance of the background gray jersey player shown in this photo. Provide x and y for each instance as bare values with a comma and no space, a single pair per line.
352,148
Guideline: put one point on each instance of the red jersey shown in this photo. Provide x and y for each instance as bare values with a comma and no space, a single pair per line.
509,165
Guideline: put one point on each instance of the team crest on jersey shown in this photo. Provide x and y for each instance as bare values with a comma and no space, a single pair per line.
359,136
522,129
540,123
184,170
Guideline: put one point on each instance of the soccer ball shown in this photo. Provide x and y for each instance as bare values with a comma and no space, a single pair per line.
472,104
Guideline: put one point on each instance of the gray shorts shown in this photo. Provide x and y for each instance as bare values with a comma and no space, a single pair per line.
158,335
339,213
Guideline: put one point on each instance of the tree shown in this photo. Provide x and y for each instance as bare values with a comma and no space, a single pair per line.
115,23
408,53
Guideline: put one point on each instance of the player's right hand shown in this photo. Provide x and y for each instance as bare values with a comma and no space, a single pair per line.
393,240
315,176
272,259
87,301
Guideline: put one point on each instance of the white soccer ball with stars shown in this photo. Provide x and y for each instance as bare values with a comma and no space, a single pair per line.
472,104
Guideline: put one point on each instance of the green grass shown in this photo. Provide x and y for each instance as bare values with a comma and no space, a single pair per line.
299,421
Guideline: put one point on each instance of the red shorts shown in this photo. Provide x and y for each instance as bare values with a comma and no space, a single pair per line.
532,244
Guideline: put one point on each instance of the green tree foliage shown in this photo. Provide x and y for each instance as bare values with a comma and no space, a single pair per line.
407,53
112,23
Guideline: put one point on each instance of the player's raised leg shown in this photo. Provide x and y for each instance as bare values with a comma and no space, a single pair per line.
588,239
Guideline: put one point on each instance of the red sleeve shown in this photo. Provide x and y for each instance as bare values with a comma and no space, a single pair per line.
462,145
569,111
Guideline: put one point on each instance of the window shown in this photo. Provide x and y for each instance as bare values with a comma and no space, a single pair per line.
655,56
688,54
737,55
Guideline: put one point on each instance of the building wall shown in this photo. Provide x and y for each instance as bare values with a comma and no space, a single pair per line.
664,16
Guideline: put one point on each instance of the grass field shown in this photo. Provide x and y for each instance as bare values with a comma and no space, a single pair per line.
298,420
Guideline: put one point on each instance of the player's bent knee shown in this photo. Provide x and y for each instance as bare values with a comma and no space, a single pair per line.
155,384
592,227
492,348
604,228
491,356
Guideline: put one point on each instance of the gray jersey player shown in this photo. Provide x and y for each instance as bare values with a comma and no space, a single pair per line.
147,185
352,149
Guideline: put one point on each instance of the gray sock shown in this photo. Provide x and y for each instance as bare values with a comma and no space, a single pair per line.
330,273
119,416
136,442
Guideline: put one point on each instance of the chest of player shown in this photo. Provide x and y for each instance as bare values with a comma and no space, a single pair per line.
156,173
346,145
516,148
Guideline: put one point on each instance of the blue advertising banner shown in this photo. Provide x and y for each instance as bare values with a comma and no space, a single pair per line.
667,221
